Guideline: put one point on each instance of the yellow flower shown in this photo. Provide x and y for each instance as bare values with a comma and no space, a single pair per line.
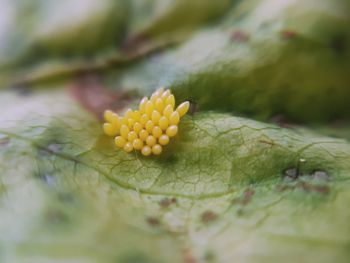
149,128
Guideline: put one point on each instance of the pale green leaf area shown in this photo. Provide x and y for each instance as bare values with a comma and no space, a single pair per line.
218,191
230,187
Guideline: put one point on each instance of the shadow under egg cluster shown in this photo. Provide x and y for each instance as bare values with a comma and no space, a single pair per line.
150,127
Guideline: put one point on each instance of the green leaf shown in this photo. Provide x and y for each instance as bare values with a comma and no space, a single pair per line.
69,194
260,63
227,188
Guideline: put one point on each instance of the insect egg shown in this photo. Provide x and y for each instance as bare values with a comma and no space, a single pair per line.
143,134
146,150
174,118
157,149
170,101
183,108
149,108
168,110
155,117
163,123
128,147
163,139
137,144
157,131
132,136
151,140
120,141
172,131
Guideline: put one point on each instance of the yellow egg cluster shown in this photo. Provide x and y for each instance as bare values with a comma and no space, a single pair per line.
150,127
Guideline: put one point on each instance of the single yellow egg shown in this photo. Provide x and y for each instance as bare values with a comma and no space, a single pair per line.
128,147
142,106
110,129
144,118
157,149
143,134
159,105
146,150
163,123
131,123
149,126
170,100
116,120
108,115
154,97
165,95
124,131
174,118
149,108
120,141
171,131
137,144
151,140
124,121
136,115
137,127
157,131
168,110
132,136
182,109
129,113
163,139
155,117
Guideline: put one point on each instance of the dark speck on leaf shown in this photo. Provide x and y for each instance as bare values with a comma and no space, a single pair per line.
288,34
56,217
4,141
166,202
54,148
245,198
152,221
22,90
193,108
208,217
188,256
65,197
239,36
338,44
307,187
290,174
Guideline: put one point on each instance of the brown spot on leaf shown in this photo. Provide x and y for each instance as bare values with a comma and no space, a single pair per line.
291,174
93,96
267,142
188,256
208,217
133,43
338,44
288,34
54,147
56,216
4,141
245,198
166,202
282,121
22,90
284,187
307,187
153,221
239,36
